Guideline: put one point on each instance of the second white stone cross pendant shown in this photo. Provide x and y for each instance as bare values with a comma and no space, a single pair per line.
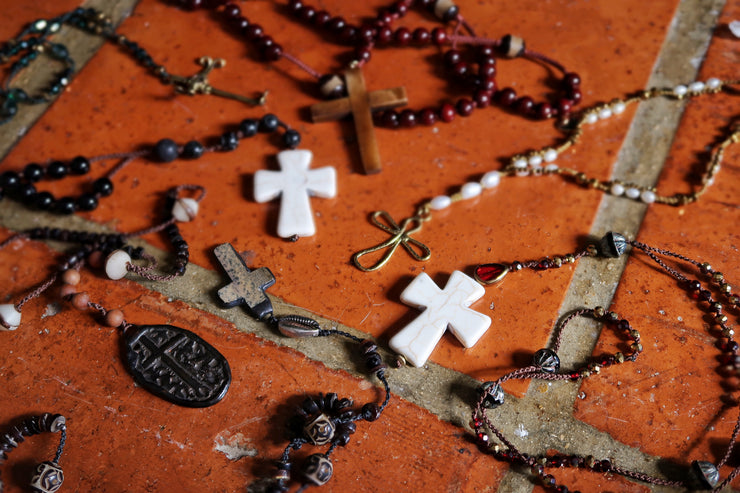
295,183
443,308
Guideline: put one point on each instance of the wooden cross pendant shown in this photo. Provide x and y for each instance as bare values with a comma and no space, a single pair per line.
360,104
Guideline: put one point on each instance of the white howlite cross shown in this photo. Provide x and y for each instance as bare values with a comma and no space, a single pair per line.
295,183
443,308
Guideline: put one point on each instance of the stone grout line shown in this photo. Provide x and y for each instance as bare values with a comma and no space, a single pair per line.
594,283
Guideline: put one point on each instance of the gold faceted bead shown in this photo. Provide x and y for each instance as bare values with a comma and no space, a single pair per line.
706,268
570,258
595,368
557,261
612,316
599,311
735,300
585,374
727,332
636,347
718,277
720,318
581,178
620,357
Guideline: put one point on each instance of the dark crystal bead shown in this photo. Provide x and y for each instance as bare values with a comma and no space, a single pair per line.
494,394
103,187
9,179
229,141
79,166
57,170
193,150
547,360
370,412
43,201
612,245
310,406
33,172
87,202
269,123
249,127
65,205
25,193
291,138
166,150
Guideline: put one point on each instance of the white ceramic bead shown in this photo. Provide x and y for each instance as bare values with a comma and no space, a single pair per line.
647,196
441,7
10,317
605,113
470,190
632,192
535,160
592,118
440,202
115,264
522,172
618,107
617,189
491,179
697,86
713,83
680,90
551,168
550,155
520,163
185,209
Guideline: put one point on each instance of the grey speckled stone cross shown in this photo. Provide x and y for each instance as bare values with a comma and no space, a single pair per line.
247,286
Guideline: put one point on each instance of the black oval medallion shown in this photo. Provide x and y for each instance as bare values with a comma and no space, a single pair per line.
176,365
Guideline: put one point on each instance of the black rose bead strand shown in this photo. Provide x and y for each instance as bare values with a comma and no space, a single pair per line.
48,476
21,185
110,251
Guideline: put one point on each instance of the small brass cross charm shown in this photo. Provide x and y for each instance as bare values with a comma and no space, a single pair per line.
198,83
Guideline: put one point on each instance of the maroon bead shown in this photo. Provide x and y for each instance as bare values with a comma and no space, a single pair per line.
447,113
348,34
421,36
385,34
571,80
505,97
487,84
427,116
543,111
460,69
487,61
402,36
407,118
363,54
486,51
194,4
232,10
439,36
213,4
390,119
307,13
366,33
272,52
482,98
452,58
465,107
575,96
295,6
253,32
385,18
265,42
241,23
524,105
487,70
321,18
336,24
564,106
400,7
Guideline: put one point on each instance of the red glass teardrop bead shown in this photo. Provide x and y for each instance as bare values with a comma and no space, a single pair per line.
490,273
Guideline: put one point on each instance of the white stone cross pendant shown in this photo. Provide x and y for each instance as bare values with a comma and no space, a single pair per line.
296,183
443,308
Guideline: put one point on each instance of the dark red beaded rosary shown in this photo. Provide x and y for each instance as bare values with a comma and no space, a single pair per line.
321,420
22,185
703,475
48,476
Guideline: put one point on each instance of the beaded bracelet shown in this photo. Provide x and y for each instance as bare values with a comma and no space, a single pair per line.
48,476
541,162
546,364
21,185
321,420
34,40
110,251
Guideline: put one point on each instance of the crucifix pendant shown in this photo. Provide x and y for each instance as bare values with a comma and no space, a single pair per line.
198,83
360,104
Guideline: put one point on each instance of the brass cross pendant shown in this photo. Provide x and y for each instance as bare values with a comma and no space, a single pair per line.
198,83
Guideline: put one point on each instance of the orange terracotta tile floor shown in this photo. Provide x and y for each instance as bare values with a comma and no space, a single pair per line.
121,438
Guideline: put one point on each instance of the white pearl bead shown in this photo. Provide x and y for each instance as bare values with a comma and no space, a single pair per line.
713,83
632,192
680,90
115,264
605,113
520,163
618,107
470,190
535,160
550,155
522,172
551,168
617,189
697,86
647,196
440,202
592,118
491,179
185,209
10,317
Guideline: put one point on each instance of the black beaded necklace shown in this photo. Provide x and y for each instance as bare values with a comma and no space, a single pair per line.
48,476
320,420
546,365
22,185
